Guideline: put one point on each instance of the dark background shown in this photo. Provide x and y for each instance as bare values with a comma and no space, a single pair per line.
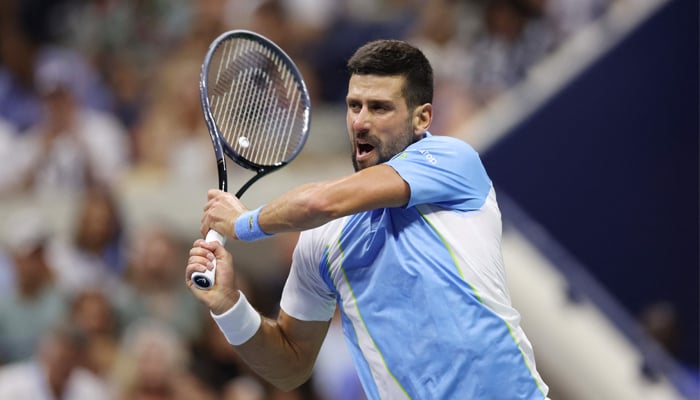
610,168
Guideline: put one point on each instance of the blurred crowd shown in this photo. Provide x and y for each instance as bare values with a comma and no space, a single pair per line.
98,94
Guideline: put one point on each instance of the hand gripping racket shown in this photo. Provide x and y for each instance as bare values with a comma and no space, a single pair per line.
257,109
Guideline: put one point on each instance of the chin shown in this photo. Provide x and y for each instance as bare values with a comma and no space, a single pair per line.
359,165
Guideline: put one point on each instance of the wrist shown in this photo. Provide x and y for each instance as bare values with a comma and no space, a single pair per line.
240,322
247,226
225,302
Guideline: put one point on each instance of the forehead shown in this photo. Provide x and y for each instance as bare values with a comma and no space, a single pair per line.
376,87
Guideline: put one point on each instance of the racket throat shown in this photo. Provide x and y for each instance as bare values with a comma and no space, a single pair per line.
251,181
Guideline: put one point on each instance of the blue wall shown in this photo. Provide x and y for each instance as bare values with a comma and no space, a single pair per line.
610,168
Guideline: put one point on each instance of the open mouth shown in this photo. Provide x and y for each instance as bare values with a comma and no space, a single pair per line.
364,148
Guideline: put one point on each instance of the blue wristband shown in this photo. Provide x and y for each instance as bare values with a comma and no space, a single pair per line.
247,228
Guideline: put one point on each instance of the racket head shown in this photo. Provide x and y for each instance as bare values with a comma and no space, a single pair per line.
255,101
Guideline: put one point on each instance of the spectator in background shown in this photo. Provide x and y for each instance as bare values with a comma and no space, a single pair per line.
90,311
570,16
93,255
8,134
153,285
152,360
72,146
18,102
172,143
661,321
512,41
34,304
126,41
273,19
214,359
55,373
29,31
440,32
244,388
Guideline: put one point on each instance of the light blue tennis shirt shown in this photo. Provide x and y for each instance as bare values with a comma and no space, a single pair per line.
422,290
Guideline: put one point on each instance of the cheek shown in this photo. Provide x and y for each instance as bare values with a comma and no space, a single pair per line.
353,122
349,128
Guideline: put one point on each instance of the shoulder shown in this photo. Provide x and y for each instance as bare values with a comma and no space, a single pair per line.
447,143
439,152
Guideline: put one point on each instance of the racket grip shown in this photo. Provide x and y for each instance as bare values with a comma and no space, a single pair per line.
205,280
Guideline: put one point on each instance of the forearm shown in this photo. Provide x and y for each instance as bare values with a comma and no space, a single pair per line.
281,351
275,357
299,209
312,205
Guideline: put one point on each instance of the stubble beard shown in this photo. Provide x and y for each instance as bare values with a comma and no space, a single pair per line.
387,150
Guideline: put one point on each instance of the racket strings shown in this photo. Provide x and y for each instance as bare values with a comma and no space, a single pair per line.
256,102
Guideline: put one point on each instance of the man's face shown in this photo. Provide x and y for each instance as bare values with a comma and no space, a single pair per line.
378,120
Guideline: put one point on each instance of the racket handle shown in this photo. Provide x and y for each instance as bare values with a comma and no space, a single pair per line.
205,280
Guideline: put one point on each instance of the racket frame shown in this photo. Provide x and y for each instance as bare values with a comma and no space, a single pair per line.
206,280
221,146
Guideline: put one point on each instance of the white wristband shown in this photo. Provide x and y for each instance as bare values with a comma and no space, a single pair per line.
240,322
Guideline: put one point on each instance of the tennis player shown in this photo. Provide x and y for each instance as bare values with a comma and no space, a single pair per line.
408,247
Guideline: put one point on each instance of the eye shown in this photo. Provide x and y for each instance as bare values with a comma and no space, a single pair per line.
354,106
380,107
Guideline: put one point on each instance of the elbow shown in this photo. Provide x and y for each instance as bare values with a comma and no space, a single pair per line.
288,386
291,382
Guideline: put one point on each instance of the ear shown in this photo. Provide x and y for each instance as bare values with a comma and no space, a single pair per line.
422,118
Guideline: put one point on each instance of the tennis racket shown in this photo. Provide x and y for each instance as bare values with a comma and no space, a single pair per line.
257,109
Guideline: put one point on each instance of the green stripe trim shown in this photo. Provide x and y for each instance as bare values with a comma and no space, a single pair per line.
522,354
476,293
359,313
452,255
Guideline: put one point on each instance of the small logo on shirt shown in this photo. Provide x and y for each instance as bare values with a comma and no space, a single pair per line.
431,159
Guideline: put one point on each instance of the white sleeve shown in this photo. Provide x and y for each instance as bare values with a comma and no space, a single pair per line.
306,296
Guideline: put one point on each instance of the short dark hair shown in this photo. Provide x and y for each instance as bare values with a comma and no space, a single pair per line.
396,57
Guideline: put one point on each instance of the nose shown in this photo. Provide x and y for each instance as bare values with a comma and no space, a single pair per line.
360,120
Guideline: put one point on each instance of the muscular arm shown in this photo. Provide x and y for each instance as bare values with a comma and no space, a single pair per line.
284,351
312,205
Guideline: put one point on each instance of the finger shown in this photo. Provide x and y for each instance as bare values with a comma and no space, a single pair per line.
204,225
201,248
192,268
212,193
218,250
208,205
197,243
201,259
198,265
